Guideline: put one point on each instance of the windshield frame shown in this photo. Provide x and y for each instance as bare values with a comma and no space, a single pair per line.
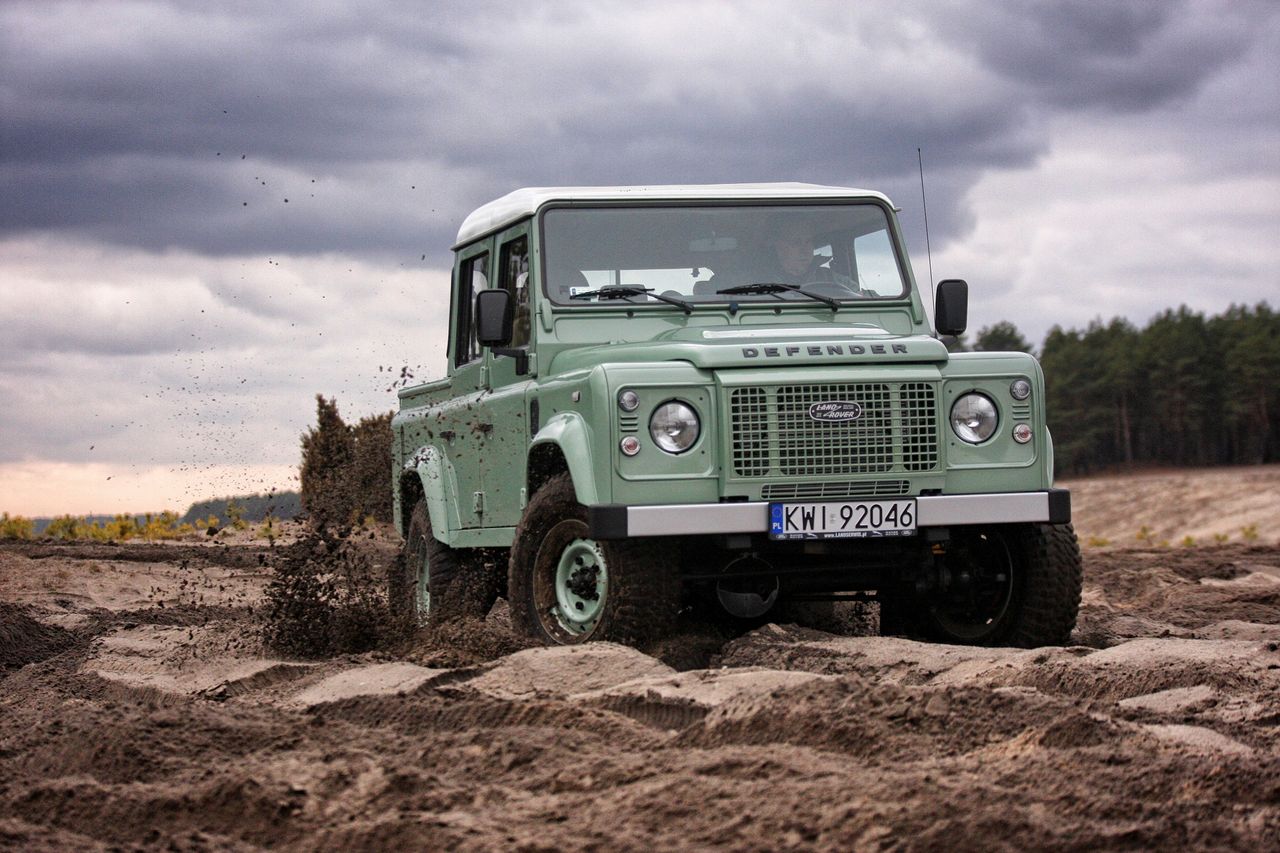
758,302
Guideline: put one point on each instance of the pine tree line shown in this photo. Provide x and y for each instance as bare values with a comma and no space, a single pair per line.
256,507
1184,390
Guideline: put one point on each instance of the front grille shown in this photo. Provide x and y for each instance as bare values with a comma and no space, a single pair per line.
855,489
774,435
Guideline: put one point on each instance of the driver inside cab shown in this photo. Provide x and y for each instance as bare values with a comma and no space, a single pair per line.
793,244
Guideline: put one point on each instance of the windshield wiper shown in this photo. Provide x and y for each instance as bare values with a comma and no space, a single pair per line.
625,291
779,287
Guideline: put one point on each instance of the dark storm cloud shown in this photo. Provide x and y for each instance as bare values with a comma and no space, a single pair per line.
383,124
1127,55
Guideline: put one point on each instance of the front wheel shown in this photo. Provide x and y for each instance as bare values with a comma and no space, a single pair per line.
566,587
1005,586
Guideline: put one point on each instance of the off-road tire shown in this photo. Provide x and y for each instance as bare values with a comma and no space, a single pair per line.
1048,578
460,585
1051,596
643,594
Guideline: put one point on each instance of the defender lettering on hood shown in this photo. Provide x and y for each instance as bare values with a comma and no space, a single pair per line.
822,349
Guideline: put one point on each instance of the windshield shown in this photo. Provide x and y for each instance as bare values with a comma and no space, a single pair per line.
719,254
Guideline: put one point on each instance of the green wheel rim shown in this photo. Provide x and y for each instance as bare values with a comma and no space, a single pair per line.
581,586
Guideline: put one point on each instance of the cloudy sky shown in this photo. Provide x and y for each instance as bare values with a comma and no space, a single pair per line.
211,212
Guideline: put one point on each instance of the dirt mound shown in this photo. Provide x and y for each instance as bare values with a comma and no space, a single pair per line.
1178,592
25,640
464,642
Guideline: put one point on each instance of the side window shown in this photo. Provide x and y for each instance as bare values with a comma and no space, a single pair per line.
473,277
514,272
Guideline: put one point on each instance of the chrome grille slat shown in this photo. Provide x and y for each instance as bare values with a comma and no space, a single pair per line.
773,435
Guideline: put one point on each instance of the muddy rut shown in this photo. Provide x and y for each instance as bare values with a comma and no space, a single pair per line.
148,713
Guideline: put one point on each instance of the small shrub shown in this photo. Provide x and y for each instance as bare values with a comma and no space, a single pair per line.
64,527
1099,541
1145,535
1221,538
1188,541
235,512
16,527
1249,533
268,530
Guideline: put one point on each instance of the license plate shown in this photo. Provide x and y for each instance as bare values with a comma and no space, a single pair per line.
842,519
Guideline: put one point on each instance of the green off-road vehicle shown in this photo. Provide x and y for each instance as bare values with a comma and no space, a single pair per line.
726,399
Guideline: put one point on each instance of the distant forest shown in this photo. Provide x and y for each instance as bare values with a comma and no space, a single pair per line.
1186,389
281,505
249,508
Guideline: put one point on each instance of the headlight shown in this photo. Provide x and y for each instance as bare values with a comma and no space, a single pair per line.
973,418
674,426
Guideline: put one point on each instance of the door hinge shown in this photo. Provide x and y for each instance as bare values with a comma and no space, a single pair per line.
477,502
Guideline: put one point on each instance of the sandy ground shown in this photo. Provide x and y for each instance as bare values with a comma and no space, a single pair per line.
139,709
1208,505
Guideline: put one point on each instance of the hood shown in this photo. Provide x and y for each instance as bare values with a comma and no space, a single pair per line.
753,346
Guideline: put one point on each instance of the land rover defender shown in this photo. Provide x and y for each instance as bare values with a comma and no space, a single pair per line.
722,397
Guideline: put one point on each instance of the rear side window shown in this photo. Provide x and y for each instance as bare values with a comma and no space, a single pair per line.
473,277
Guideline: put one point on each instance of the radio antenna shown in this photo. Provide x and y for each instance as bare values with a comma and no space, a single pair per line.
924,204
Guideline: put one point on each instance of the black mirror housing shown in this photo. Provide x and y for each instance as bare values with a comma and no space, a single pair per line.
951,307
494,318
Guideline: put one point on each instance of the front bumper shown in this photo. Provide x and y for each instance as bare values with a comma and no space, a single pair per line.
615,521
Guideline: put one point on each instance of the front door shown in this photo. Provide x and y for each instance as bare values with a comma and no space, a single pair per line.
505,406
459,424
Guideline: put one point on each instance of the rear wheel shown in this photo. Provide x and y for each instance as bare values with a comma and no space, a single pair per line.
434,582
566,587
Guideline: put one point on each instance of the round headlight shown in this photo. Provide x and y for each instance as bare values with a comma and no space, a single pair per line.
628,400
1020,389
973,418
674,426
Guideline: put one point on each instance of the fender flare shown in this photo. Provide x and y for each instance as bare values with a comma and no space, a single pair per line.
435,473
569,432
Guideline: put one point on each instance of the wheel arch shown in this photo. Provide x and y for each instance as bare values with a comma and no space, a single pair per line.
563,444
428,476
408,494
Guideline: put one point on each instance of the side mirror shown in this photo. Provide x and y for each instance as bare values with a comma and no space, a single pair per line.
951,307
494,318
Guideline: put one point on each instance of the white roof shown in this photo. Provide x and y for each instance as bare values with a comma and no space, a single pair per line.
524,202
